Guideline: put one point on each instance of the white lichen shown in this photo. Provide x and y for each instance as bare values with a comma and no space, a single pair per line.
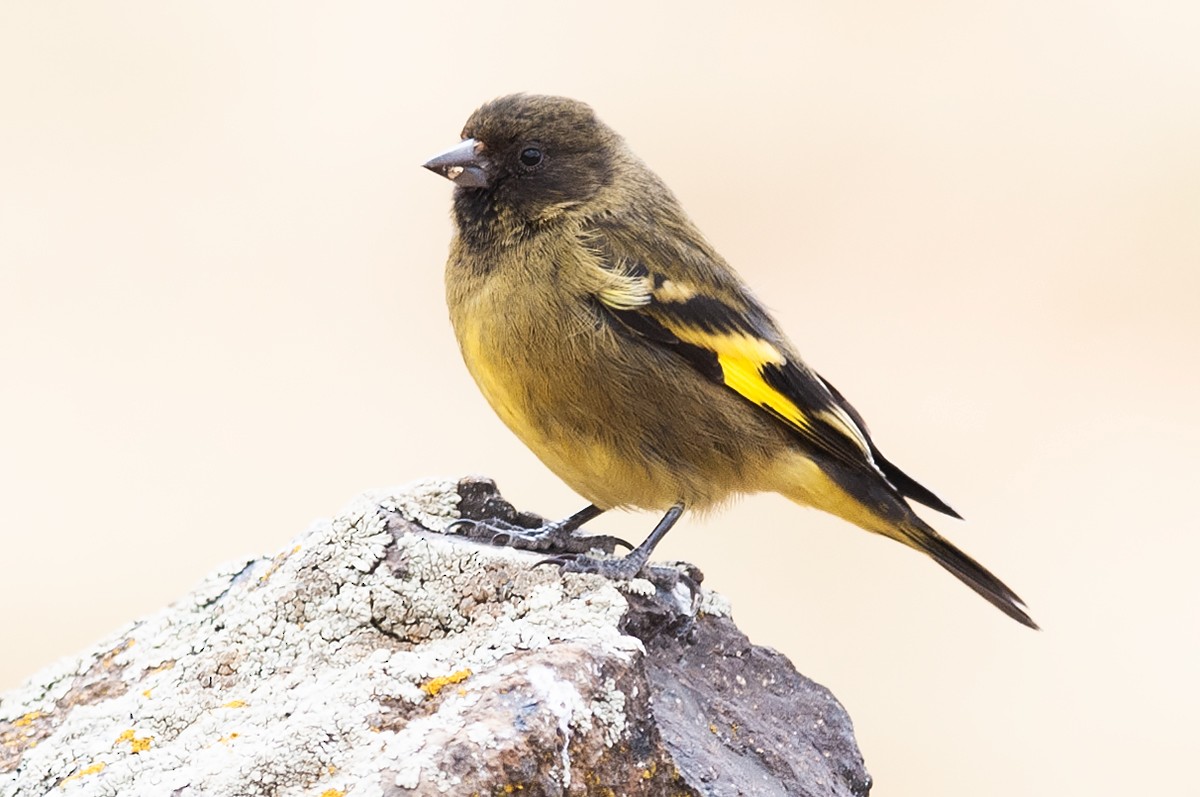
346,660
714,604
608,711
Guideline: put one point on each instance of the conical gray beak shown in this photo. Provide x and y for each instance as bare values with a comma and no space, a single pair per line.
462,164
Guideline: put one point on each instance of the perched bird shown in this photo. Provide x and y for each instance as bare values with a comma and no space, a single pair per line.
630,357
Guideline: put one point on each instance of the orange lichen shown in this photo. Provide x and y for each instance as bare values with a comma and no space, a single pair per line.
235,704
435,685
92,770
28,719
136,745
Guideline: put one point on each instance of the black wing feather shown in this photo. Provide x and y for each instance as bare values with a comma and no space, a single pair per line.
905,484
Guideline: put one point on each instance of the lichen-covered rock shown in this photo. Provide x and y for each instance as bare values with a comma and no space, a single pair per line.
376,655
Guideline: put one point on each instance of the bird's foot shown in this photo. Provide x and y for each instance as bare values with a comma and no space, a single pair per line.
557,537
627,567
487,517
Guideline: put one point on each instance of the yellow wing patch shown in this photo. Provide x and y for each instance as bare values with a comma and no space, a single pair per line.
742,357
736,346
743,376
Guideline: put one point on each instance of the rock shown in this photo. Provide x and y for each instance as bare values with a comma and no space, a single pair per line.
377,655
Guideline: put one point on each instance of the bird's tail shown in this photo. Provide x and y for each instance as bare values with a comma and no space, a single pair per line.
876,506
921,536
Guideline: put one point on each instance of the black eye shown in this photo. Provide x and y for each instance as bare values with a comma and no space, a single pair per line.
530,157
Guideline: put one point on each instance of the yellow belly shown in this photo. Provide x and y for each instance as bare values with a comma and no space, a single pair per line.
623,422
523,394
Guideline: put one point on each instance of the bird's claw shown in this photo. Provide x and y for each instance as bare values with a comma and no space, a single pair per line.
548,537
624,569
460,526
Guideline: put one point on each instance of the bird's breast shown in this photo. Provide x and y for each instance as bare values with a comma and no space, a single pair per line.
546,362
621,421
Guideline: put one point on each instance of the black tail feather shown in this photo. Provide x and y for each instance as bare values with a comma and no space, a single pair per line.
971,573
910,487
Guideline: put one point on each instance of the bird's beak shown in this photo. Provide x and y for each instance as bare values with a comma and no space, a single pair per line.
463,164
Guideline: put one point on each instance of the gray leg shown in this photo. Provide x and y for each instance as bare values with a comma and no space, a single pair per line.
628,566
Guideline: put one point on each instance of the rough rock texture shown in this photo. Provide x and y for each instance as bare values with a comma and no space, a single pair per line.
376,655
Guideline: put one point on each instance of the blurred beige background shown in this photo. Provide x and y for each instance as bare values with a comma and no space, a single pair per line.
221,316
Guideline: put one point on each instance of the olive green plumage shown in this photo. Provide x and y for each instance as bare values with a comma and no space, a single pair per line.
629,356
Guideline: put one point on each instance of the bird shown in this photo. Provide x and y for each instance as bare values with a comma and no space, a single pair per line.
611,337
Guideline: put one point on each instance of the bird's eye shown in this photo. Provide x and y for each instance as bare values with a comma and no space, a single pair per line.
530,157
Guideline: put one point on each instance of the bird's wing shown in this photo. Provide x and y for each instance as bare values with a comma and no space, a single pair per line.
729,338
709,319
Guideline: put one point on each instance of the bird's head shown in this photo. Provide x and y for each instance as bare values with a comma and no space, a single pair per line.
529,159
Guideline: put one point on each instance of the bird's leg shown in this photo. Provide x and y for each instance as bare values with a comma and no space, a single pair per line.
628,566
557,537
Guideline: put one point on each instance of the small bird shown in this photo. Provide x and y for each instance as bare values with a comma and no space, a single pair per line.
618,345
